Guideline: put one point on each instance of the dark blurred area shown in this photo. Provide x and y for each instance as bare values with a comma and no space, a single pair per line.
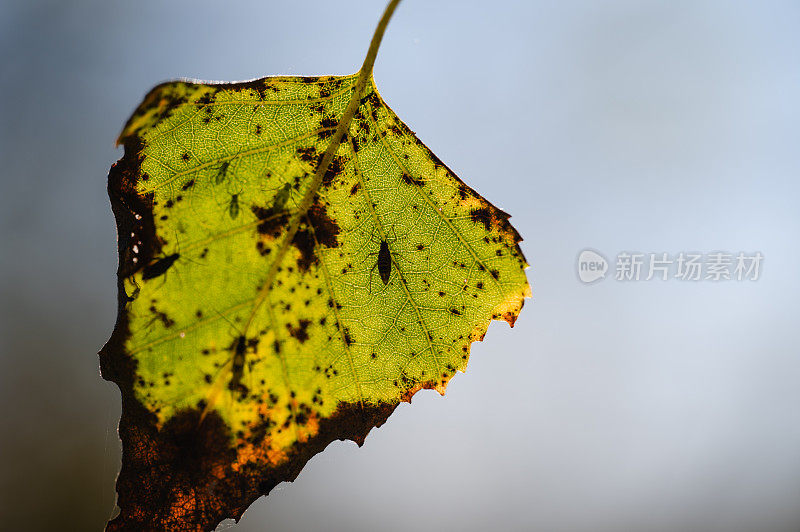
620,125
59,451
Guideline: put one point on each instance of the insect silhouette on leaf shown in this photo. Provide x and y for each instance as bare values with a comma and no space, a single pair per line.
383,262
281,197
223,171
233,207
236,364
239,348
159,267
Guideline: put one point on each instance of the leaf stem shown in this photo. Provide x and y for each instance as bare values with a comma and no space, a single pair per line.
372,53
364,76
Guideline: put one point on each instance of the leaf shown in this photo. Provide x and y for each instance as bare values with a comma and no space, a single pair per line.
294,263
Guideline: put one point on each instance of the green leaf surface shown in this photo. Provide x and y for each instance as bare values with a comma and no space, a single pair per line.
294,263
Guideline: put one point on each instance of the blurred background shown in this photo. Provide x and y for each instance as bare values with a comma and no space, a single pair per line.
616,125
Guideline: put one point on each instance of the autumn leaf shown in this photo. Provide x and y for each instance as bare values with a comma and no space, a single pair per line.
294,263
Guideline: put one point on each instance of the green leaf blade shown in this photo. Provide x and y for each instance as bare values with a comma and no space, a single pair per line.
271,303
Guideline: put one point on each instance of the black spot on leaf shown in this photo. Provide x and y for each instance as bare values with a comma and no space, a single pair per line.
299,332
325,232
308,154
334,170
346,334
271,223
